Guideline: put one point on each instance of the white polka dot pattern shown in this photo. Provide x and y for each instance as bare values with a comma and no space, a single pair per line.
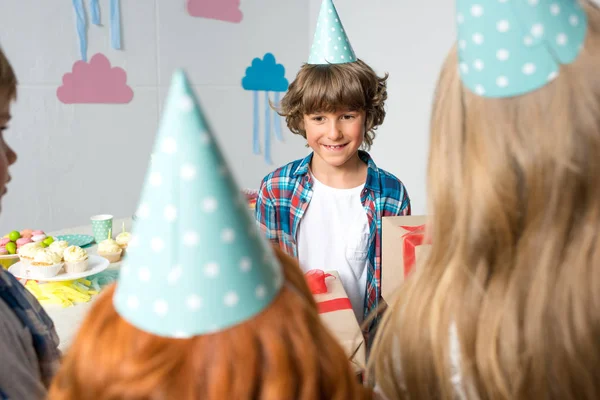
193,267
330,43
508,48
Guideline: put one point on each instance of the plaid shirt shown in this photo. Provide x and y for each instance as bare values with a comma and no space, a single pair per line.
285,194
33,317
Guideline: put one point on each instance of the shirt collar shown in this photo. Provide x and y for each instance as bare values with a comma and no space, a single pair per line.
372,183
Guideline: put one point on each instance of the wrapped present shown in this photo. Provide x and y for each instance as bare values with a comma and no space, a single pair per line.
403,243
336,313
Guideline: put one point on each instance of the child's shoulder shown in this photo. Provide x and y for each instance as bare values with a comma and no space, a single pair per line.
390,185
289,171
390,182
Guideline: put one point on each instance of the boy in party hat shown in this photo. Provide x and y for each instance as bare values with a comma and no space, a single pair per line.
326,209
507,305
203,309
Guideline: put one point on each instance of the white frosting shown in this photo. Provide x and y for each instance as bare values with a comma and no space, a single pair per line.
75,254
29,250
47,256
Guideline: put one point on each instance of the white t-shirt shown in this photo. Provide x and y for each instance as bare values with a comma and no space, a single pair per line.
334,235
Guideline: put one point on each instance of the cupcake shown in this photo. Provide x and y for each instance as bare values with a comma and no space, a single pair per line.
123,239
59,247
28,251
110,250
76,259
45,264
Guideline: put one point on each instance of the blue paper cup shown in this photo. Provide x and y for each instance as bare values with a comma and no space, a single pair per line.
101,226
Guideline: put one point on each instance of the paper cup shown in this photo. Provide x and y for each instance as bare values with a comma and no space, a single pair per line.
101,225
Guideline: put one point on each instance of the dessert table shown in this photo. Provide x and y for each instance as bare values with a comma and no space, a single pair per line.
67,320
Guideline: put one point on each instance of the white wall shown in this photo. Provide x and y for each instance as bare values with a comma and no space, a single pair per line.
79,160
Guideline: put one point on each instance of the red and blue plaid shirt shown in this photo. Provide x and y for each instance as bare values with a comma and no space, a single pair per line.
285,194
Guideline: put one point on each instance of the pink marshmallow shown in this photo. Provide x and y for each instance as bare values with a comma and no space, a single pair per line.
22,241
36,233
3,241
3,251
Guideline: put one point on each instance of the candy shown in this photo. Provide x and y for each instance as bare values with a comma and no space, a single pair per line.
3,241
48,241
38,238
14,235
27,235
35,233
11,247
22,241
3,251
26,232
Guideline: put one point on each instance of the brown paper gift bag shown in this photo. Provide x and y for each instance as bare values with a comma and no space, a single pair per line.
400,235
336,313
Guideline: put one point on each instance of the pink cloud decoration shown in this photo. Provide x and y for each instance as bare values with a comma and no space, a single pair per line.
223,10
95,82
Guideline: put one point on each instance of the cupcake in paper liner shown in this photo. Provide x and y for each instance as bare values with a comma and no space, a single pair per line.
110,250
59,247
123,240
28,251
76,259
45,264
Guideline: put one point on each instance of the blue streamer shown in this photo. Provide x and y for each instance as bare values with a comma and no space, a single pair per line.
277,119
255,140
95,12
267,130
115,24
81,28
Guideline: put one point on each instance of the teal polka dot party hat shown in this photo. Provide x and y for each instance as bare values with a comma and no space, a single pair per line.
330,43
511,47
196,262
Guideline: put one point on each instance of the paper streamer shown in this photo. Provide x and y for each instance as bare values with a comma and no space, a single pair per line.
81,27
277,118
69,293
267,129
115,24
255,139
95,7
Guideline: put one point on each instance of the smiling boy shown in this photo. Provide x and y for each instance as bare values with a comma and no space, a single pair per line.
326,209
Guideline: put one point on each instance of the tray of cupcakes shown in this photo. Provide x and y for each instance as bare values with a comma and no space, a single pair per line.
55,260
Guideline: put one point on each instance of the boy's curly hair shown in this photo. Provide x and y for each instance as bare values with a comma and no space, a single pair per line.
333,87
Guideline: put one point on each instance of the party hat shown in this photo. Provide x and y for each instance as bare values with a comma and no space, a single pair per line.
196,263
330,44
511,47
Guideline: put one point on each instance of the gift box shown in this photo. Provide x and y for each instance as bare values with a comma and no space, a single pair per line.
403,244
336,313
251,196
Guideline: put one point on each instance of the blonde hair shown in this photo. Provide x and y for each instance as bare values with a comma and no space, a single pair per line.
283,353
8,79
514,195
334,87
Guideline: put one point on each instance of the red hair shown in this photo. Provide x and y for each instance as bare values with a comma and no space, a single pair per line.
283,353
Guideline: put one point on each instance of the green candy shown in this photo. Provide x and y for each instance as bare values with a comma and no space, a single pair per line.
14,236
11,247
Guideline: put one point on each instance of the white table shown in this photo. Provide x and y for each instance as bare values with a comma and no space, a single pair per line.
68,320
